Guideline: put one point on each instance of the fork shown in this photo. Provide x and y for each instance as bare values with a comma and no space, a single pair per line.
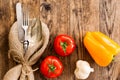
25,25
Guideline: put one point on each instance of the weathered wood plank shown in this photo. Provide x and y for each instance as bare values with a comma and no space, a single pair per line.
90,22
109,24
74,31
5,22
57,19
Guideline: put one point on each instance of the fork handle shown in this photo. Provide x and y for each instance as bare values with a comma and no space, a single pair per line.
26,34
25,45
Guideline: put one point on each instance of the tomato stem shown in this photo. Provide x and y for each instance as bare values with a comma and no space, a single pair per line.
51,68
64,46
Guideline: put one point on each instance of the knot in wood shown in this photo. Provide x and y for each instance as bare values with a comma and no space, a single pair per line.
47,6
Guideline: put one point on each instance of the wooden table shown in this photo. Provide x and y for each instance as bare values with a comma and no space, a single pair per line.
72,17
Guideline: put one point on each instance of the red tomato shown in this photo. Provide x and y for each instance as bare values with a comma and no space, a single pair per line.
64,45
51,67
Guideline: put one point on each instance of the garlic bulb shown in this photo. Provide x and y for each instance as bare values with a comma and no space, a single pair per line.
83,69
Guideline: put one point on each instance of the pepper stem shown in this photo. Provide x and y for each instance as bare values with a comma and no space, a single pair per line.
64,46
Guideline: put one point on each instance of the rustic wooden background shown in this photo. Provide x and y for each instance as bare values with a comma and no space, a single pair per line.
72,17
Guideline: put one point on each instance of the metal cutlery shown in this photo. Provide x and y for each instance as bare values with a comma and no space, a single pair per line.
19,15
25,26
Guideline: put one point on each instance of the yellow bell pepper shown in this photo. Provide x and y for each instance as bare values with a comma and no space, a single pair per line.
101,47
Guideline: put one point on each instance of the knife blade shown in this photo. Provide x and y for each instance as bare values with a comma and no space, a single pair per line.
19,14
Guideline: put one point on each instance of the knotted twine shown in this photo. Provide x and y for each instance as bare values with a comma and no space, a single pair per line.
38,34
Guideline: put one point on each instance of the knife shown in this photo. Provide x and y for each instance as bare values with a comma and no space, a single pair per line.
19,14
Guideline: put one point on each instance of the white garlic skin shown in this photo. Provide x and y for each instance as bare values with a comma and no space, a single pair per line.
83,69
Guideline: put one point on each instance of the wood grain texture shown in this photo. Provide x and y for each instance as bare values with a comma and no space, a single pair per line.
72,17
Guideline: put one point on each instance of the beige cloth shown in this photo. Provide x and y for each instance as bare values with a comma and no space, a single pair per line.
38,42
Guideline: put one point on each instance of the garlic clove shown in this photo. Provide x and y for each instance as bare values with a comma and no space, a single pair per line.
83,69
